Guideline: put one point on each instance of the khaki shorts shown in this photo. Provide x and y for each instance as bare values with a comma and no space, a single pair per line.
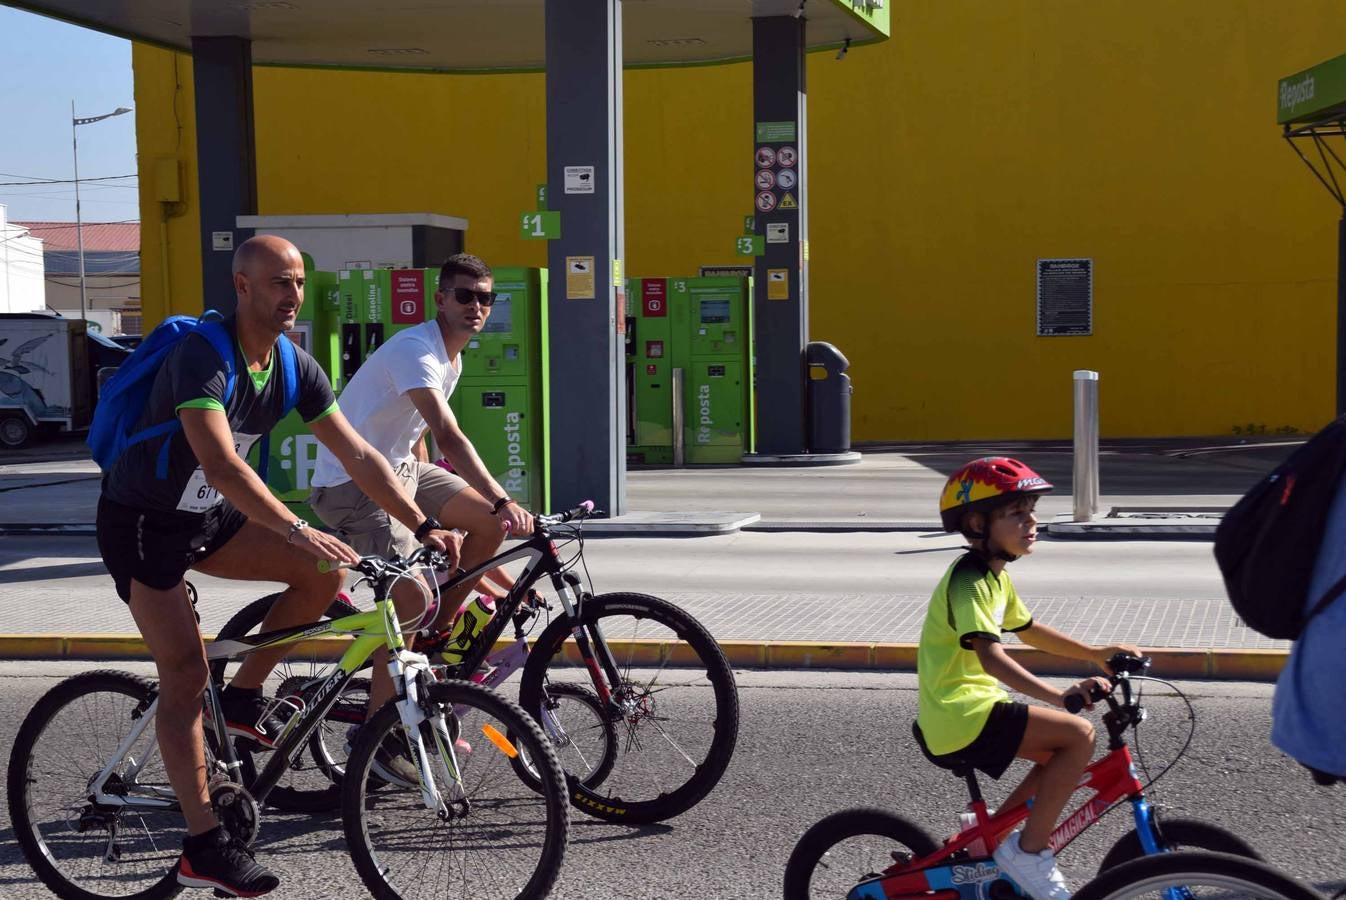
361,523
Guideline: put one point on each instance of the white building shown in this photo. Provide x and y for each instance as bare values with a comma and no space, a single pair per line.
22,275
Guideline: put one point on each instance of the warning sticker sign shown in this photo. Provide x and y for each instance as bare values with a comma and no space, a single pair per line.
788,201
786,157
786,178
778,284
766,179
778,232
766,201
579,278
766,157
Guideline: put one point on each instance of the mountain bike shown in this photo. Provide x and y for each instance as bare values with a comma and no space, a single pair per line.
895,858
634,694
95,816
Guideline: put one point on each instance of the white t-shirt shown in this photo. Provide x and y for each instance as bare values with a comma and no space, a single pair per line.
375,401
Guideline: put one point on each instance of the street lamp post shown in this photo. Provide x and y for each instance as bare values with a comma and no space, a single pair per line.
75,122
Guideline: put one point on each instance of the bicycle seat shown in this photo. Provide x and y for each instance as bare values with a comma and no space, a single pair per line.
956,764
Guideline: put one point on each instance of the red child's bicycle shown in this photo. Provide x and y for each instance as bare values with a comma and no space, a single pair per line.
872,854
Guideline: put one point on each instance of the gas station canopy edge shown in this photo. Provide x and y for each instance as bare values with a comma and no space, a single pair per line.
424,35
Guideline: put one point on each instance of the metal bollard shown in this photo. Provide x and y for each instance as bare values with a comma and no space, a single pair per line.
1084,487
679,447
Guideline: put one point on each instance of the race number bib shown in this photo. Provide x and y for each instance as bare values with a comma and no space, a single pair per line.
198,496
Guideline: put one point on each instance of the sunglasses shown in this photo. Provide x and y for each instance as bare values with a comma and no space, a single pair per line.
466,296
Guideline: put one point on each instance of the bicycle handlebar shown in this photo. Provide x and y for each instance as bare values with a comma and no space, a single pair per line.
374,566
584,510
1123,666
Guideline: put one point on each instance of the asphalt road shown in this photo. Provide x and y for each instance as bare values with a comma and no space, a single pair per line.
811,743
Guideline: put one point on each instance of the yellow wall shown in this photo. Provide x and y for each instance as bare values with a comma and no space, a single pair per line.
943,164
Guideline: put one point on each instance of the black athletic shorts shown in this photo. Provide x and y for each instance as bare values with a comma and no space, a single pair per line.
157,548
994,749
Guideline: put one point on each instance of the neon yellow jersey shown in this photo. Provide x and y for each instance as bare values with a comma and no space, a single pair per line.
956,693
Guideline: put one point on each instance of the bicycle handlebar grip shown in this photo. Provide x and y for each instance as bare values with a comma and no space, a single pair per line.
1075,703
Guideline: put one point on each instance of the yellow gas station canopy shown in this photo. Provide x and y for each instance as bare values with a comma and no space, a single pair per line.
459,35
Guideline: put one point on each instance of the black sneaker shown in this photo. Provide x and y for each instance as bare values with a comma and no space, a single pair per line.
392,761
215,860
246,716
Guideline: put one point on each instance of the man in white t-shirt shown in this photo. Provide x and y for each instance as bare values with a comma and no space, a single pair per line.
398,393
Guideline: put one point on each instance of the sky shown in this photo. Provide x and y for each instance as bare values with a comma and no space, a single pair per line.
47,65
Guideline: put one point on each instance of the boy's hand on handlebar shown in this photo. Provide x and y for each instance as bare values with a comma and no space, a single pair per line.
1103,654
515,520
324,546
1087,690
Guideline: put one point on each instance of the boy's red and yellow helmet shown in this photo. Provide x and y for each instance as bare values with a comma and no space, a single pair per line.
984,484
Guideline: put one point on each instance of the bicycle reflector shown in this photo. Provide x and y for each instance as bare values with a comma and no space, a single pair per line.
501,742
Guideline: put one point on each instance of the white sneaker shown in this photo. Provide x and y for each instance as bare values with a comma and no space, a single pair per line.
1035,873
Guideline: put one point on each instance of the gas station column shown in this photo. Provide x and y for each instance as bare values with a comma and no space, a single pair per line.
226,168
780,277
586,284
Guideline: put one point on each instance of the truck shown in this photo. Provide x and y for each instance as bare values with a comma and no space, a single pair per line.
45,381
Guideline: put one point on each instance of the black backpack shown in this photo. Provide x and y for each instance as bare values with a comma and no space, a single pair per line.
1267,543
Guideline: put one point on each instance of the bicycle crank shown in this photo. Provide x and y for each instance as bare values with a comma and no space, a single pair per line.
237,811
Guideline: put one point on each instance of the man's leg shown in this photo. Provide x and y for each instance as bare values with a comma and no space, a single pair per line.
259,554
468,511
167,623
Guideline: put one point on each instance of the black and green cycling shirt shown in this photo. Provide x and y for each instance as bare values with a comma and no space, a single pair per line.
956,693
193,376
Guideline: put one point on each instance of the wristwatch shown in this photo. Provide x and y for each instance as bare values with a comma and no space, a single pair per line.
296,526
430,524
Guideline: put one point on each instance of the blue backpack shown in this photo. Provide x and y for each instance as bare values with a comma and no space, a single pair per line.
125,394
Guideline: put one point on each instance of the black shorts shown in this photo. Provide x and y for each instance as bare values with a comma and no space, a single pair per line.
157,547
994,749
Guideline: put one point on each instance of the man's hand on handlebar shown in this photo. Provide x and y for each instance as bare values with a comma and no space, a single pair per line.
1083,695
324,546
447,541
515,520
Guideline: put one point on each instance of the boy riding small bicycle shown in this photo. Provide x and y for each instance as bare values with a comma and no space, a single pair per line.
965,713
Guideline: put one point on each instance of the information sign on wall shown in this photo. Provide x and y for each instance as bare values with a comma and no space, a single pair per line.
1065,297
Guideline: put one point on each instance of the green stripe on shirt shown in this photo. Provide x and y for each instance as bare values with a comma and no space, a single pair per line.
325,413
200,403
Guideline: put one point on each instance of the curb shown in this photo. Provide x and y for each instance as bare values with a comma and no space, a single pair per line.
1219,664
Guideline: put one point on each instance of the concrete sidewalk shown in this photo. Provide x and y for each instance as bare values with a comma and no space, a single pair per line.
836,572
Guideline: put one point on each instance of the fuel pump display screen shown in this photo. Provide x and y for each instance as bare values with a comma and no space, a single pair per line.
501,316
714,312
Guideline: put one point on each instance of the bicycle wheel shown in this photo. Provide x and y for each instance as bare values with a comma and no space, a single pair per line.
1180,834
78,848
849,847
675,708
496,839
331,743
1195,874
581,732
307,786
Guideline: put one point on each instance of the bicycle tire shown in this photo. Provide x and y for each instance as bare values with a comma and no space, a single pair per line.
1233,876
1180,834
893,832
499,802
687,641
302,793
568,739
46,847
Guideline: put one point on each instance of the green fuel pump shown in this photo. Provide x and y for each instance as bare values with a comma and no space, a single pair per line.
501,400
702,326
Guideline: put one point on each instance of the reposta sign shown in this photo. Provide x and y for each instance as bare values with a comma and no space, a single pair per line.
1312,94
